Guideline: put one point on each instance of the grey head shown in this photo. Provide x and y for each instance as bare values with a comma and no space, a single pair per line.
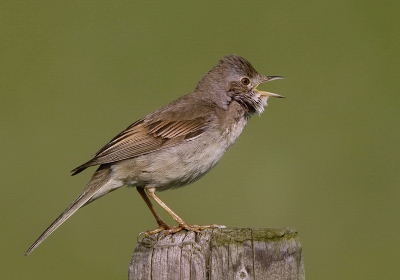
234,78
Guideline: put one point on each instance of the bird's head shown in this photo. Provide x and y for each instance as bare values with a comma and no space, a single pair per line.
235,78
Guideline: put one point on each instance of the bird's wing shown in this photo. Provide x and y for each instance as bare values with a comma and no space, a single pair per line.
148,135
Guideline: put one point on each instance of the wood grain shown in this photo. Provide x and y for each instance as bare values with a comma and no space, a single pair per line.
233,253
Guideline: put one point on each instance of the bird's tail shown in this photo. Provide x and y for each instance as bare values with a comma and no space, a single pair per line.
93,190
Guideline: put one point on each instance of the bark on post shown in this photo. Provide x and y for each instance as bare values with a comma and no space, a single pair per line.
233,253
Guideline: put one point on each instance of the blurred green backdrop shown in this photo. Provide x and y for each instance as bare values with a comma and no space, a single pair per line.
324,161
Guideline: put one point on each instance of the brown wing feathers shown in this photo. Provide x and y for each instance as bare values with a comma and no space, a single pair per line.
145,137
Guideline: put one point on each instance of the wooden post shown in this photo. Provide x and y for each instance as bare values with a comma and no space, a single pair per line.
232,253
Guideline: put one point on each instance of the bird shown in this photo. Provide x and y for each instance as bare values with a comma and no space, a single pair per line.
177,144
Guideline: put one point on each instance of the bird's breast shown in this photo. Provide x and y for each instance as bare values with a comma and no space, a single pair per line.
232,123
232,132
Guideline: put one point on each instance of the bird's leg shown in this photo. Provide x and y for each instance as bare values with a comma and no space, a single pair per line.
162,225
181,223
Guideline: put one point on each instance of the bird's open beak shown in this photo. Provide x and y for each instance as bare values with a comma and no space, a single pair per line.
271,78
270,94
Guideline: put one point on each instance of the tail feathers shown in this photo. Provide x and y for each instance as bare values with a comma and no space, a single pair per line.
99,179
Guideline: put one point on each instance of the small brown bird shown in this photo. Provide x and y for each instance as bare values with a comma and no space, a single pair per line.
176,144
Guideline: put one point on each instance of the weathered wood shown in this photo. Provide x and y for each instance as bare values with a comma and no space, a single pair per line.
233,253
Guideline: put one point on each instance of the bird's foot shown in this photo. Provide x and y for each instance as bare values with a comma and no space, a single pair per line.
162,226
174,229
188,227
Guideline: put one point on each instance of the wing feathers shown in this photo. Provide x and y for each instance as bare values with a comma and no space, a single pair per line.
146,136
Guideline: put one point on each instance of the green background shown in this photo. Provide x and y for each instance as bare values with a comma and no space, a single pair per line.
324,161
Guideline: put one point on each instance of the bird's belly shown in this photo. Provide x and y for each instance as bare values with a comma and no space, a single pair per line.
173,167
178,165
184,166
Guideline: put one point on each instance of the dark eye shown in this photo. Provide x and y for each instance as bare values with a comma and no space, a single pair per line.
245,81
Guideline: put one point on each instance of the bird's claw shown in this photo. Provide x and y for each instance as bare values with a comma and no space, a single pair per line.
151,232
174,229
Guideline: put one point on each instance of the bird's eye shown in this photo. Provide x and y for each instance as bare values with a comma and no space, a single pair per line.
245,81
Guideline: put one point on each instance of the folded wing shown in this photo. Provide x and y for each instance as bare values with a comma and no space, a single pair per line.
146,136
